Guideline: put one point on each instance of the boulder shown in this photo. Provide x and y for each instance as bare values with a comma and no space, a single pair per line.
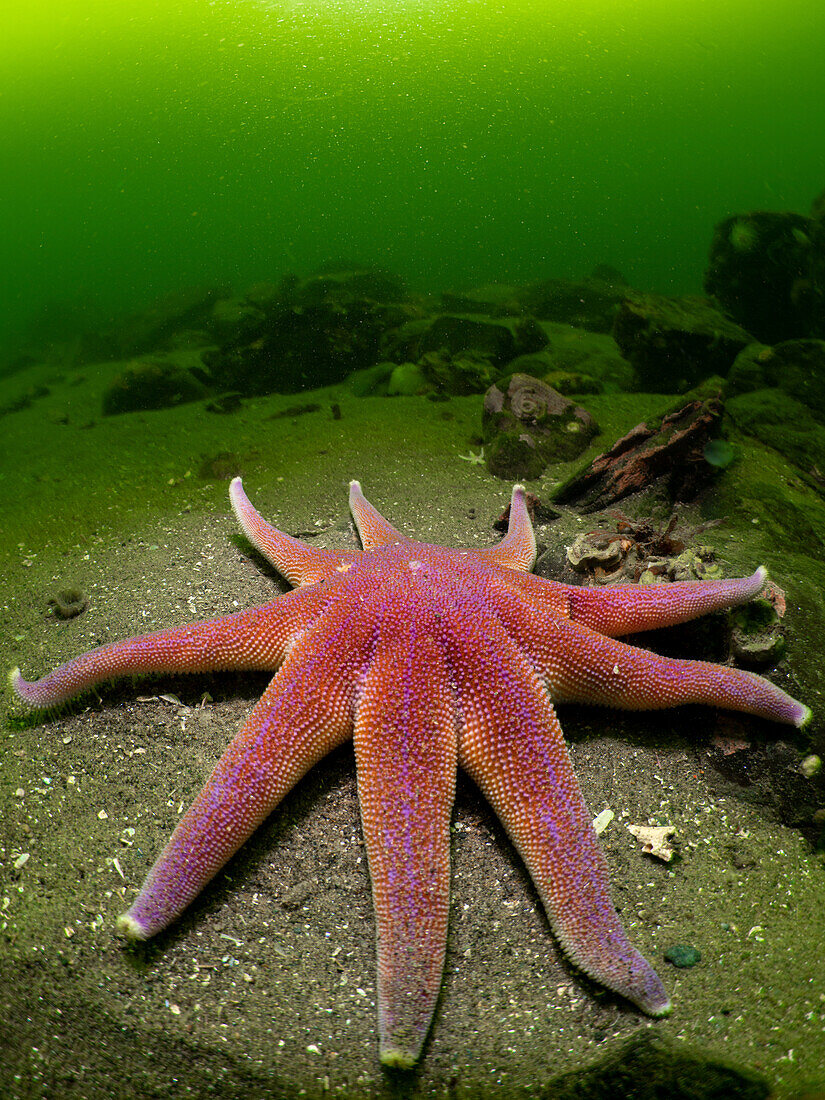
152,383
498,340
590,303
767,270
297,348
674,343
526,424
797,367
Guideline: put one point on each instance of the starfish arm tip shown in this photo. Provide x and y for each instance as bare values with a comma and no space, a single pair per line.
803,716
130,928
27,691
650,995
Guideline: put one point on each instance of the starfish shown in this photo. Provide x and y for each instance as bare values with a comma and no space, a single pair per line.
428,658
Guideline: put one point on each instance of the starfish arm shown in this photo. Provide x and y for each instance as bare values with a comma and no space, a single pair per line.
304,713
512,746
255,639
582,666
405,752
517,550
628,608
299,563
373,529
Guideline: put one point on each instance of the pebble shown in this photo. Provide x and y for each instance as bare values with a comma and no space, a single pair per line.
683,955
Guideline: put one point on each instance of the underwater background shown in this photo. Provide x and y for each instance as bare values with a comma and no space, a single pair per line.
149,145
439,248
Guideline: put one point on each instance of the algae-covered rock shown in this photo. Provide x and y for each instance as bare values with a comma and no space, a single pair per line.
457,375
345,282
797,367
492,300
572,353
371,381
756,634
233,318
590,303
673,343
497,339
527,424
406,380
151,384
297,348
783,423
765,270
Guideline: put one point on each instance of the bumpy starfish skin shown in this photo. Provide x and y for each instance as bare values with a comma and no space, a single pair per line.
430,659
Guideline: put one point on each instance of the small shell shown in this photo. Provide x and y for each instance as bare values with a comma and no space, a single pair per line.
655,840
602,820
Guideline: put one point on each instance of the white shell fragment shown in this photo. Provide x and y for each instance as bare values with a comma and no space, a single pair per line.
654,840
602,820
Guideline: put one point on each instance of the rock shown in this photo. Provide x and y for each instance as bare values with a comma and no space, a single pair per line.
669,449
151,384
527,424
785,424
456,376
589,303
767,270
155,326
655,841
297,348
491,300
233,318
498,340
407,379
797,367
344,283
674,343
371,381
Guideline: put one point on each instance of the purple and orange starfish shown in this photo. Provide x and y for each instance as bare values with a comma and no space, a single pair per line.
430,659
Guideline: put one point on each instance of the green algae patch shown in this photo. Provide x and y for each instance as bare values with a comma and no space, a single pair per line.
783,423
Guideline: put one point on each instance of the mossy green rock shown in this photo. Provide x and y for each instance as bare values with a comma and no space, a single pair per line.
782,422
797,367
407,380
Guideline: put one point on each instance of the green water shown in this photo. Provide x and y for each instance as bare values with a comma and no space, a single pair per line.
157,144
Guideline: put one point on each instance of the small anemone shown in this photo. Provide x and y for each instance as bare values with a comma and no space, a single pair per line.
743,235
